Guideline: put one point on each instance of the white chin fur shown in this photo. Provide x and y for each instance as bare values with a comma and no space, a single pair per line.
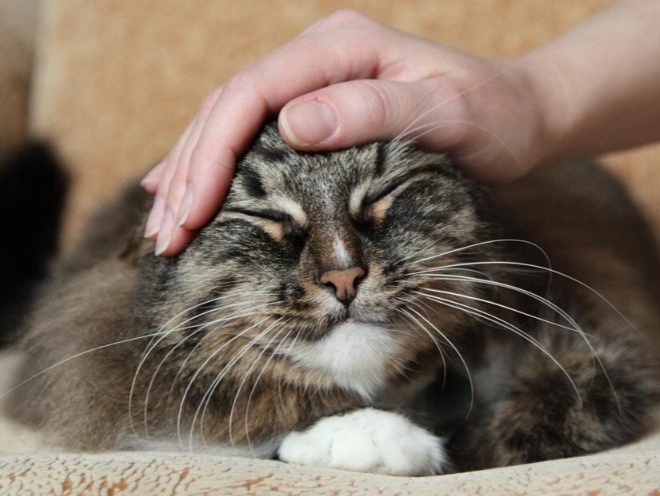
355,354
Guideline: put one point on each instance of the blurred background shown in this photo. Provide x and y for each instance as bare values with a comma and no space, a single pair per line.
113,83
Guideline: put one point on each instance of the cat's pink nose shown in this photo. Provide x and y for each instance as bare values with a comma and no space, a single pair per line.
344,282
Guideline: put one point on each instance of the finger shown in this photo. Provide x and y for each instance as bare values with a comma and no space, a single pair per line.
176,240
175,179
152,178
356,112
176,193
167,169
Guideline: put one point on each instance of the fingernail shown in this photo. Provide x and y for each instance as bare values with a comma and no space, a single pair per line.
308,123
186,206
155,218
150,181
165,233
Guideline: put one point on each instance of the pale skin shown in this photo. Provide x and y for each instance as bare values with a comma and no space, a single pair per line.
349,79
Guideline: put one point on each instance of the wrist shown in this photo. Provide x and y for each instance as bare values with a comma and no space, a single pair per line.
553,114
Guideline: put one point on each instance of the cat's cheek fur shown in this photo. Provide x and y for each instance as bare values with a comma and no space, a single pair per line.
367,440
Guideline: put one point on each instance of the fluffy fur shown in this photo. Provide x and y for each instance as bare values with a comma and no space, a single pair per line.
336,294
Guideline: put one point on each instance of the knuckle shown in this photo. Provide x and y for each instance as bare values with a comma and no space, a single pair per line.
241,81
201,157
343,18
209,101
379,97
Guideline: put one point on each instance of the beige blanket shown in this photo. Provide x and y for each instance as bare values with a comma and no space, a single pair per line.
28,468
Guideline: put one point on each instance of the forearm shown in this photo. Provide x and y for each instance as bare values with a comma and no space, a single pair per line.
599,84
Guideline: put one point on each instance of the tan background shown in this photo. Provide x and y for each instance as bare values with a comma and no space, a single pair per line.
116,81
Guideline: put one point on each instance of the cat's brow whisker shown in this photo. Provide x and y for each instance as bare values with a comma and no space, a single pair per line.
411,131
431,127
421,115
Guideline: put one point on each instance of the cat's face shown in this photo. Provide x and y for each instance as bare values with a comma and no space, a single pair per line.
329,260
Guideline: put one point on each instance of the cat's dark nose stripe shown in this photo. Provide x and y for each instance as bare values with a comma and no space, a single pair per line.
344,282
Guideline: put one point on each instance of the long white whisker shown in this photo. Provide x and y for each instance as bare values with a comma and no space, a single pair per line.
456,350
555,272
499,322
199,371
421,115
249,372
500,305
161,335
256,382
200,328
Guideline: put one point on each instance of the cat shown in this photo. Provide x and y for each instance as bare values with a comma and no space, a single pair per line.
32,194
368,309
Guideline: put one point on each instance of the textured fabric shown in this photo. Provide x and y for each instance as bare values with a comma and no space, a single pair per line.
632,469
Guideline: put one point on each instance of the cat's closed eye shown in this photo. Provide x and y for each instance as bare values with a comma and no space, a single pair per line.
280,225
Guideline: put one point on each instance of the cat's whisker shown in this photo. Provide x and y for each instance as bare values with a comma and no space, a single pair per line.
159,337
265,332
204,402
572,323
283,362
205,328
484,244
504,307
501,323
416,326
551,271
454,348
73,357
200,328
199,370
273,353
202,314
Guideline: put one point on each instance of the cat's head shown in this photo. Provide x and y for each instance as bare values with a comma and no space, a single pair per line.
349,263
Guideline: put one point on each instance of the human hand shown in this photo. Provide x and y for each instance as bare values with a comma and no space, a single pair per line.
349,79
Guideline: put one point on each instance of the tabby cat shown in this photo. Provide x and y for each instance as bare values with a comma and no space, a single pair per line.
368,309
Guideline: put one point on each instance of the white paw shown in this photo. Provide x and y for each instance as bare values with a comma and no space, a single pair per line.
367,440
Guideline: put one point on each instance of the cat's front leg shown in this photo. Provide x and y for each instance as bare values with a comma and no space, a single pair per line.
367,440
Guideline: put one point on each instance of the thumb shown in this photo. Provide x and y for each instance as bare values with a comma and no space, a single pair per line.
362,111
